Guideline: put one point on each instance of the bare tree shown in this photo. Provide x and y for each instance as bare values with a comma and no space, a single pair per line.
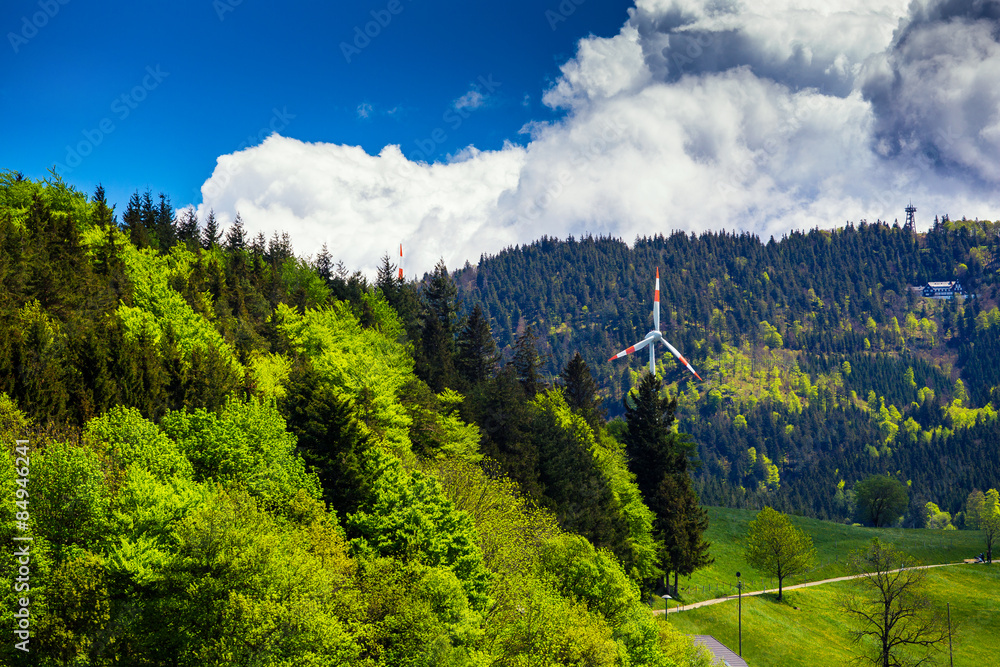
896,626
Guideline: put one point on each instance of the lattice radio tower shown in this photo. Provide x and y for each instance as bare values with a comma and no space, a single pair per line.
910,210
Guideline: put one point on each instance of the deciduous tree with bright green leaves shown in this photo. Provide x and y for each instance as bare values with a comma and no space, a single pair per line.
880,499
776,547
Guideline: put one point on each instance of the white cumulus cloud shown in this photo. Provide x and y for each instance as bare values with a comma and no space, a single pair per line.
697,115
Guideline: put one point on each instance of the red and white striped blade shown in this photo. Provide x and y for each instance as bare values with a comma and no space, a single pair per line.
637,346
400,261
681,358
656,302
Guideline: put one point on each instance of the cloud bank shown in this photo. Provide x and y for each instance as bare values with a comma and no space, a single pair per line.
697,115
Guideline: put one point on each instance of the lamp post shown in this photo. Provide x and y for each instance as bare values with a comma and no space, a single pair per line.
666,604
739,605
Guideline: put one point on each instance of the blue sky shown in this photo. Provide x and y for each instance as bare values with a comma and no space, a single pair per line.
228,70
462,128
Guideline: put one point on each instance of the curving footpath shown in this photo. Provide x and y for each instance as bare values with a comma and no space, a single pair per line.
705,603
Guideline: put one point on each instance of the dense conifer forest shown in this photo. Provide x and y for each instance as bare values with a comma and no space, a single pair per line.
217,452
823,363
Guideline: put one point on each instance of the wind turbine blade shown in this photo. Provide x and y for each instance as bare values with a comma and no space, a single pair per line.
656,303
638,346
681,358
400,262
652,360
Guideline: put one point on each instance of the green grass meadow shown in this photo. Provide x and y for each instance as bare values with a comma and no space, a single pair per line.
833,542
808,628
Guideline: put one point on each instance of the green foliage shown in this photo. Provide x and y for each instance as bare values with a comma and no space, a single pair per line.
234,447
302,282
70,501
509,525
572,481
367,364
243,587
437,429
881,499
329,436
596,579
411,518
157,303
419,616
125,437
777,548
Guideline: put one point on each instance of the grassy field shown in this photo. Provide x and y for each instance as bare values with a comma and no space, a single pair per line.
833,542
808,628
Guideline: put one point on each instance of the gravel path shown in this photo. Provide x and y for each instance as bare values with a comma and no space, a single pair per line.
705,603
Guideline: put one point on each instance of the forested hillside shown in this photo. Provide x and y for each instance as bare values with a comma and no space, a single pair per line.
822,364
218,453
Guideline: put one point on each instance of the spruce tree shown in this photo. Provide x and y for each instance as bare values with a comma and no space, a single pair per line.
132,222
662,461
187,229
436,366
581,391
527,363
236,237
477,351
164,226
148,217
324,264
211,234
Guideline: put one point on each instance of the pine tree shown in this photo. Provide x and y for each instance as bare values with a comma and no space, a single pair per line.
388,282
211,234
103,215
648,437
527,363
581,391
682,522
147,214
477,356
329,437
236,238
132,222
187,229
436,365
165,226
662,461
324,264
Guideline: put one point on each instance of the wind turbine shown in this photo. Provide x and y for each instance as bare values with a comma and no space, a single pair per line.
655,335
